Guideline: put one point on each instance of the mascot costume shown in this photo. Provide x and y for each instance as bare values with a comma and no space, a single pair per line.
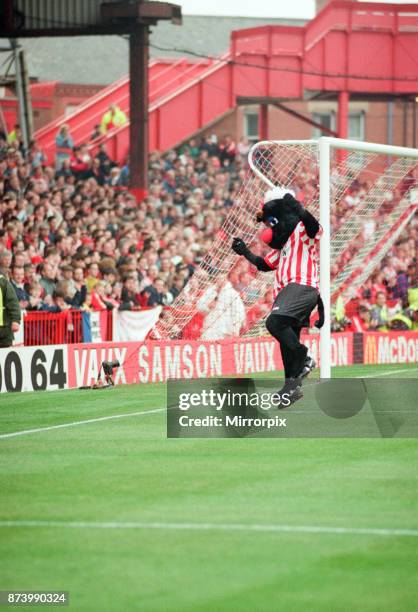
292,234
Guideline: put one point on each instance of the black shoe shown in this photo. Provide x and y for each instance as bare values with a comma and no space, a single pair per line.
295,395
292,390
289,384
308,366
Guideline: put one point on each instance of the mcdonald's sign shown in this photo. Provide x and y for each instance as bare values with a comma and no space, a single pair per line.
370,349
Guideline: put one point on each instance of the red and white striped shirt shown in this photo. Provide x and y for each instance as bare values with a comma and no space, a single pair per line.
296,261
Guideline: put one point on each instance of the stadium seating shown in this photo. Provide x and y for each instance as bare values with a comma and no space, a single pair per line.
75,238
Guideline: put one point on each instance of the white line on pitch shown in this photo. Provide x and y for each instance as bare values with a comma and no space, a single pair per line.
26,432
314,529
404,371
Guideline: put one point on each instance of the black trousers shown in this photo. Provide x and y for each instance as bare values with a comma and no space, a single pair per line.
287,331
291,310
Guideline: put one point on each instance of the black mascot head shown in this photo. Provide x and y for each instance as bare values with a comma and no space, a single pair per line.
281,214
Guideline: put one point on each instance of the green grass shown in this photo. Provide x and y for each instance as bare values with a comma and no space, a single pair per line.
125,470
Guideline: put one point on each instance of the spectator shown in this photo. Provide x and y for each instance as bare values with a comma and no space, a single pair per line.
129,297
56,303
15,136
413,274
413,311
401,321
176,288
3,238
114,117
379,313
124,175
84,153
97,133
100,297
35,296
210,145
79,165
80,287
93,274
12,234
224,311
64,146
339,320
9,313
191,149
243,148
361,321
397,287
18,283
102,156
228,150
30,275
157,294
114,178
65,172
105,164
5,262
35,155
48,278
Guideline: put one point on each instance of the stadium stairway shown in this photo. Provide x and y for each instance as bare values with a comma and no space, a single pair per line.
174,85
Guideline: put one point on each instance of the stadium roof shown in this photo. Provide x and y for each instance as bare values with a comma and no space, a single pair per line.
103,59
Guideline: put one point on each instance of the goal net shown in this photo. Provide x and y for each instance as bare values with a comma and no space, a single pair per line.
364,194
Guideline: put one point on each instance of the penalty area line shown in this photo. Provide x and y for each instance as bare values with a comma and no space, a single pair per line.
26,432
312,529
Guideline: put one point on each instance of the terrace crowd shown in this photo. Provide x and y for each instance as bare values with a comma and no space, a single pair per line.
72,236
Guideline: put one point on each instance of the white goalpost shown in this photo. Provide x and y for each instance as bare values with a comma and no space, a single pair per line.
326,145
365,194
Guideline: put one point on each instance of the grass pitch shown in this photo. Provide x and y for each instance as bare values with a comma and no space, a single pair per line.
125,519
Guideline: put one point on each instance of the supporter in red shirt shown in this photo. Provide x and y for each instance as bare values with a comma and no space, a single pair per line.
78,164
360,322
12,234
101,297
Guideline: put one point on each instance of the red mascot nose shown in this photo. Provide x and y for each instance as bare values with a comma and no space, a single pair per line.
267,235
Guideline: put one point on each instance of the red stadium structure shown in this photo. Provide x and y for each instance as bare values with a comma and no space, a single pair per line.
338,54
27,18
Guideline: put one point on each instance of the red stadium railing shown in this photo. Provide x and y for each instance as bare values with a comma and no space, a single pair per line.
106,318
52,327
61,327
